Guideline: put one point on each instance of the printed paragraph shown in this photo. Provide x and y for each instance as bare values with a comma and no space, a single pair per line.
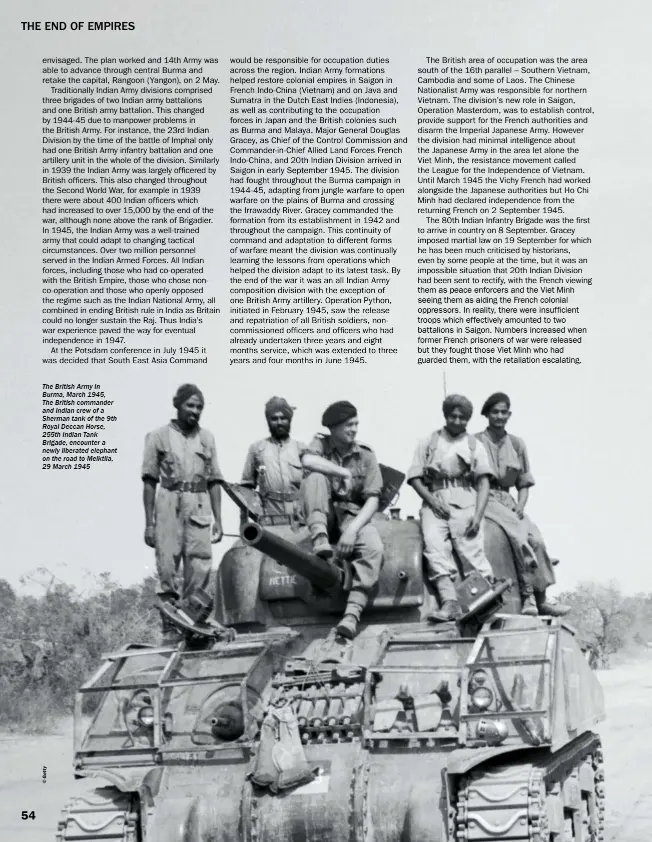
126,155
502,239
315,177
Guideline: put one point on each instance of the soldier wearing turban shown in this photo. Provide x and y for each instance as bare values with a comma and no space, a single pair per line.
452,402
340,496
273,467
185,391
511,467
182,502
450,471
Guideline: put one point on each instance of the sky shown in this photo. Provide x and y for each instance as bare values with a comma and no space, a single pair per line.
585,426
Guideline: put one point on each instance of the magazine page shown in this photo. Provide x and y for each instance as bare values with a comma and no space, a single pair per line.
326,379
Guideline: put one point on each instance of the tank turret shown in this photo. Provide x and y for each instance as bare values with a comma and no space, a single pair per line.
322,573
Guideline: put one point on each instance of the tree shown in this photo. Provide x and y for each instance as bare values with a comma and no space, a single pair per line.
640,613
601,614
7,596
73,629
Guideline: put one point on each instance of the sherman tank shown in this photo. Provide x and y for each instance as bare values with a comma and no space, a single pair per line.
482,729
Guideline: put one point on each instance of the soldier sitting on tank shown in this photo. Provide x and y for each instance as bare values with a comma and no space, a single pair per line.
450,471
273,468
181,459
509,459
340,496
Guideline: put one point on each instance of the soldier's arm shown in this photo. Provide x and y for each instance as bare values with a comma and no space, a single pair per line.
150,473
312,462
482,498
419,486
525,481
346,544
365,514
415,480
483,471
313,459
215,494
149,495
521,500
214,477
250,471
373,484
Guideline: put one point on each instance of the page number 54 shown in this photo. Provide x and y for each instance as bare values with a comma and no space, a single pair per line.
25,815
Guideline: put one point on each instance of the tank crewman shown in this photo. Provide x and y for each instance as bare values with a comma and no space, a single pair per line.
450,471
273,468
181,459
511,465
340,497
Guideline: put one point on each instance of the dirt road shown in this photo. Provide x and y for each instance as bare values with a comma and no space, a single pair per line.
627,737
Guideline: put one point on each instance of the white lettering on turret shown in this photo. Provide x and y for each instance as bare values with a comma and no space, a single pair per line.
283,580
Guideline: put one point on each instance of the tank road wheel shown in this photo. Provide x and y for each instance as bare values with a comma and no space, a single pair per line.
593,798
558,799
583,799
539,826
103,814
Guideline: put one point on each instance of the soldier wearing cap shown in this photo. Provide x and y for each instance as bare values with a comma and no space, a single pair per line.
340,496
511,467
450,472
183,515
273,467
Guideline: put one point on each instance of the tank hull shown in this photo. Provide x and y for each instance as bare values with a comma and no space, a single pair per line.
388,735
357,796
501,558
395,796
387,726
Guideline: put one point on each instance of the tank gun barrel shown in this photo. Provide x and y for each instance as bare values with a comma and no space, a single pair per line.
324,574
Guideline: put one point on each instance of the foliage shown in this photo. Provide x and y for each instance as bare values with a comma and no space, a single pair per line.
76,629
7,596
608,620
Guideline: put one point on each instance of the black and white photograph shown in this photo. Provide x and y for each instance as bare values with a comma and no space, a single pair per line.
325,357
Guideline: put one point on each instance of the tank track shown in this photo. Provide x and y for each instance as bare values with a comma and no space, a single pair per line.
103,814
511,802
